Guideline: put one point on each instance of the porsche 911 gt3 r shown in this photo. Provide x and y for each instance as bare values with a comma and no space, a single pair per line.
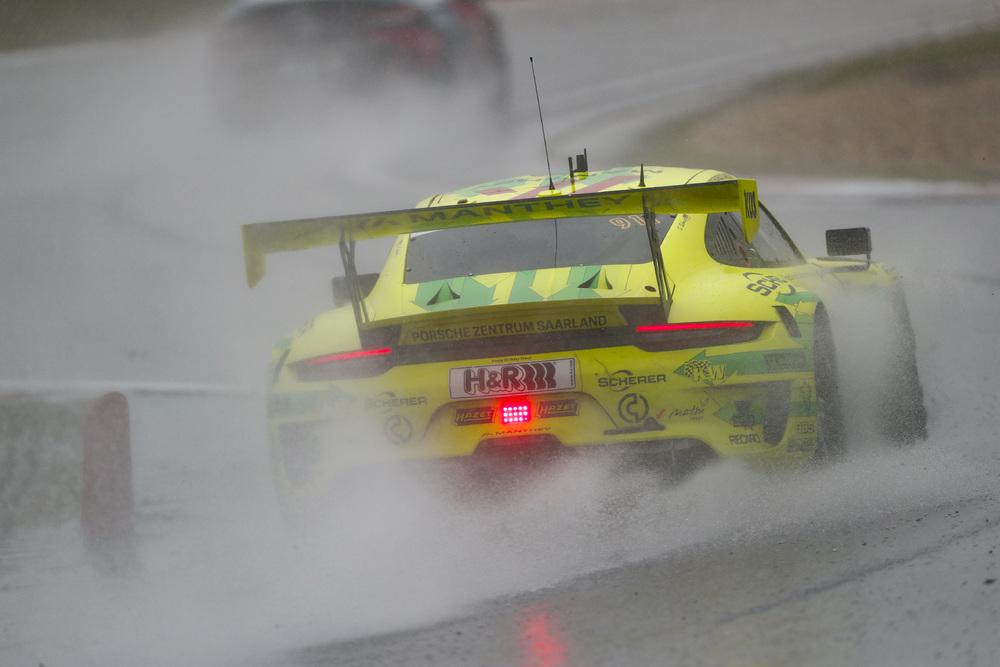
654,311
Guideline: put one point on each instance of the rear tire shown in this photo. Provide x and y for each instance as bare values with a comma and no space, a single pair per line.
830,438
902,414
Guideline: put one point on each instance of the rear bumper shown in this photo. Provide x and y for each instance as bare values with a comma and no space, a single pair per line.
751,400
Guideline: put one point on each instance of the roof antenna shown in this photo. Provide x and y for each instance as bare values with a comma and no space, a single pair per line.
642,175
552,185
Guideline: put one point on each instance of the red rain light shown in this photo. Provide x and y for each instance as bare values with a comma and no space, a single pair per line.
515,413
344,356
691,326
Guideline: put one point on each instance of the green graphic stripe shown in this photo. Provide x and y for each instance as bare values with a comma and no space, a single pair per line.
455,293
752,363
521,292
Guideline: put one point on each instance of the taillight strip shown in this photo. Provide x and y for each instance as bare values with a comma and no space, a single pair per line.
344,356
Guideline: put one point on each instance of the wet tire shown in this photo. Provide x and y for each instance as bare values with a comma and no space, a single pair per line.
830,437
902,416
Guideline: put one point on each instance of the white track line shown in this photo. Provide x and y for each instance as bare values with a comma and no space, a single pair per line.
74,387
877,188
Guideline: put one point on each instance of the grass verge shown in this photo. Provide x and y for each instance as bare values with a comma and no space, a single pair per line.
26,24
926,110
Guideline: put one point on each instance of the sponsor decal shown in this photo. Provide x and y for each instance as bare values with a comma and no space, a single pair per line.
591,322
799,445
560,206
633,408
750,205
703,371
624,222
509,360
805,392
744,439
520,431
506,209
741,413
468,416
623,379
517,378
515,328
778,362
398,429
388,400
693,412
439,334
743,417
764,285
562,408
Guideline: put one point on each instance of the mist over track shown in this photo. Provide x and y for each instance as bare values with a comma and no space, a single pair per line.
122,185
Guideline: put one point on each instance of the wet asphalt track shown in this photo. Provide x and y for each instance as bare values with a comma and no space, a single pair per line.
120,193
889,558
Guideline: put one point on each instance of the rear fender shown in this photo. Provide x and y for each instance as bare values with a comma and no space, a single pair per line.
741,293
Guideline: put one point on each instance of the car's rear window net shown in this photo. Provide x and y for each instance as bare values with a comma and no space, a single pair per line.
526,246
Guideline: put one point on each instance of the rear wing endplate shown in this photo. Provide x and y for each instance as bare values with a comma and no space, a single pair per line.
262,239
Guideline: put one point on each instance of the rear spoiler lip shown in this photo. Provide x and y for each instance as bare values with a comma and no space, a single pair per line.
264,238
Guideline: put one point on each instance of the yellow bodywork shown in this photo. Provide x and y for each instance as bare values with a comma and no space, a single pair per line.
719,395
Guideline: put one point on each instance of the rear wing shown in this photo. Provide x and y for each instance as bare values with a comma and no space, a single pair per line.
262,239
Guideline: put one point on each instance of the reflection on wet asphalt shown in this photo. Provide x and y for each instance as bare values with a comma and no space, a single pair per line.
121,189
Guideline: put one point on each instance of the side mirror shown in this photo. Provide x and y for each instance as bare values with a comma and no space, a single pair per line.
342,295
853,241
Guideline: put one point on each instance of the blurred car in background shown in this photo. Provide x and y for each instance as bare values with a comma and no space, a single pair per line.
281,50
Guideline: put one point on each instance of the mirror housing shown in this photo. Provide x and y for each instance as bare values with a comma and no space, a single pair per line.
342,296
853,241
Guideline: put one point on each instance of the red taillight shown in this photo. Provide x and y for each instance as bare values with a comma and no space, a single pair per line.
515,412
344,356
692,326
690,335
345,365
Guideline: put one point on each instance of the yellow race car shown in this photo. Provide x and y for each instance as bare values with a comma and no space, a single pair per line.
658,312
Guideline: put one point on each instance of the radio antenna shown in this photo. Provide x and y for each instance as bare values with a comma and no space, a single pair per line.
552,186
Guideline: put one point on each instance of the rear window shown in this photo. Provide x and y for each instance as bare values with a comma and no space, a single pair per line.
770,247
524,246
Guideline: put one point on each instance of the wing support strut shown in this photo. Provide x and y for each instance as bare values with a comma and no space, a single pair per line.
666,296
347,254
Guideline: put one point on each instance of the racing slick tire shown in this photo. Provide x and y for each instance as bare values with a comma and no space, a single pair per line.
830,437
902,416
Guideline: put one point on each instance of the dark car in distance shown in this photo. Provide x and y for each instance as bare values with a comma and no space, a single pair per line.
271,50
